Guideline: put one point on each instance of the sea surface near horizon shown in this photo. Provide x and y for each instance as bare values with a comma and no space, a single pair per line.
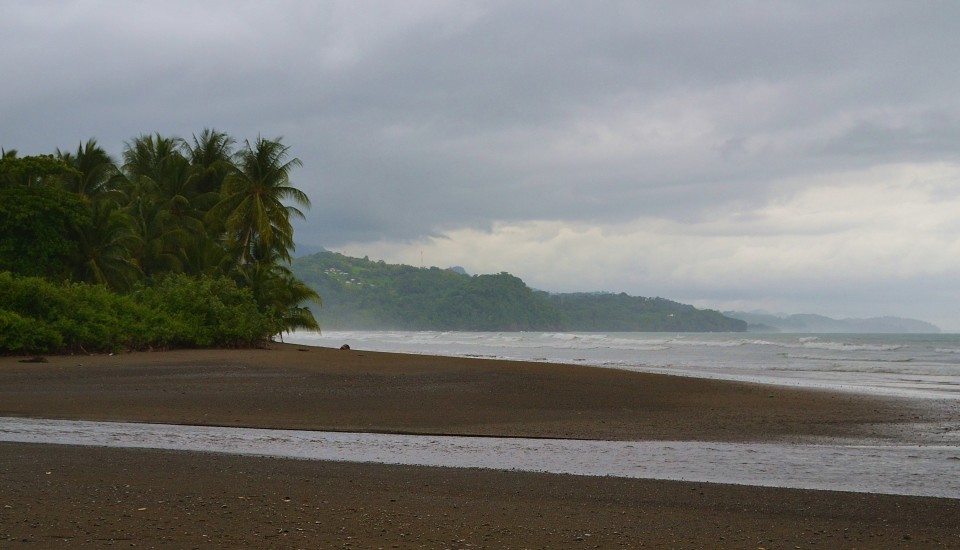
907,365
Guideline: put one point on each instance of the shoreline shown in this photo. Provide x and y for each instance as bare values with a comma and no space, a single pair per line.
657,351
916,470
90,497
302,387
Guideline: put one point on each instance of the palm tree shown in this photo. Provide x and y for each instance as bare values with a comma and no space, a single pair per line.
105,248
146,155
97,173
252,209
210,159
152,253
290,297
163,198
205,255
280,295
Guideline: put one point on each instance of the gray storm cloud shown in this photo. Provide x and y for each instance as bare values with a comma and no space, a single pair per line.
728,153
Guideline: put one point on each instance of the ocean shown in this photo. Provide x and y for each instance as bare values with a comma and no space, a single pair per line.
907,365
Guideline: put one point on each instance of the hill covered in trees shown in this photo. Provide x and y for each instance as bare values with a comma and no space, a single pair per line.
819,324
359,293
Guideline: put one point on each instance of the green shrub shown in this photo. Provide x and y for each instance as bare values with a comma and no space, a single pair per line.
205,311
37,315
20,334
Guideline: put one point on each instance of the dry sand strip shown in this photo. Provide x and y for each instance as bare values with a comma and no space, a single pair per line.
58,496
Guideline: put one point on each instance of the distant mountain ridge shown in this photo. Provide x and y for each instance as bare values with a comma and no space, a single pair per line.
362,294
810,323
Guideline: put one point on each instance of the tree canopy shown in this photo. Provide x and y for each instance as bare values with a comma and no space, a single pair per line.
200,209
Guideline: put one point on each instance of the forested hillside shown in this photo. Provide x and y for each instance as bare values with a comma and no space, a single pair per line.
601,311
818,324
363,294
359,293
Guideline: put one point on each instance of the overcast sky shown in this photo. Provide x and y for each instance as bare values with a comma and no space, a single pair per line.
787,156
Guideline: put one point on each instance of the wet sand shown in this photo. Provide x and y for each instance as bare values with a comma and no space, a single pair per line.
93,497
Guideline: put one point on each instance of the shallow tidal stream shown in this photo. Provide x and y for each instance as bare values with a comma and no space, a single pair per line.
894,469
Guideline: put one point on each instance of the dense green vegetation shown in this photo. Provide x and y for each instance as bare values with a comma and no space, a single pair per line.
363,294
186,243
178,311
807,323
619,312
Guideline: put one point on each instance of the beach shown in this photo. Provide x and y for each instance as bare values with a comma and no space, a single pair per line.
70,496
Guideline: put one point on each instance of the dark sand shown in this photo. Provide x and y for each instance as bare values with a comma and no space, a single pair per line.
63,496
